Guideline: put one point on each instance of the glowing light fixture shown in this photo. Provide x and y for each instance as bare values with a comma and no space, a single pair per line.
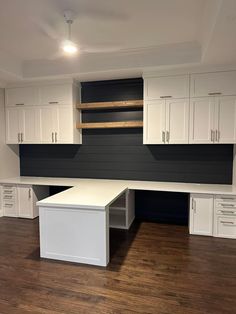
68,46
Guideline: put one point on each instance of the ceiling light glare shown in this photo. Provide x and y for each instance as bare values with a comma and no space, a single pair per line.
69,47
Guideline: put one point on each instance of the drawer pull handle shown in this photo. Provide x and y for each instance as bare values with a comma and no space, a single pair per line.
53,102
227,222
19,104
228,198
228,212
227,205
214,93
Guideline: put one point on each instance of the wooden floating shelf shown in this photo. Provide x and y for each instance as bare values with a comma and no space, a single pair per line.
110,125
111,105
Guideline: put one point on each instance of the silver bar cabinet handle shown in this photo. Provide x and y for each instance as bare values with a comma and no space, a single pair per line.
55,137
214,93
163,137
212,135
165,96
52,137
18,137
167,136
29,192
21,137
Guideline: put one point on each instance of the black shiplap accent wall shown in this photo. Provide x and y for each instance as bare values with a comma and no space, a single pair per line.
120,154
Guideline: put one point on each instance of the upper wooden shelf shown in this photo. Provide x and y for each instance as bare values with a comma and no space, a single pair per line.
111,105
110,125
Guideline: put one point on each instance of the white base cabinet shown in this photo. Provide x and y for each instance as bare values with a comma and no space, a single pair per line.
201,214
20,200
213,215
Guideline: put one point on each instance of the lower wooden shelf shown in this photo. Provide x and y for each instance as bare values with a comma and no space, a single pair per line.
110,125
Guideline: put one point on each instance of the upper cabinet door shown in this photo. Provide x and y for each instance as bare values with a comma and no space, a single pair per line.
60,94
226,120
177,121
64,125
218,83
30,125
154,122
12,125
22,96
202,120
47,122
166,87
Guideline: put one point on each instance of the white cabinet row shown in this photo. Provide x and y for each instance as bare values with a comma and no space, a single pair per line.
20,200
193,85
213,215
42,124
42,114
171,117
205,120
45,94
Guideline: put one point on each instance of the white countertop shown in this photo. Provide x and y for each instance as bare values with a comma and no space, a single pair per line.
98,193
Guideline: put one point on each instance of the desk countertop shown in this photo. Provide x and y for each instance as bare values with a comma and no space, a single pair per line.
99,193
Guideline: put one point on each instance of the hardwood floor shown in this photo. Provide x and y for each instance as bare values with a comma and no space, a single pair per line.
154,269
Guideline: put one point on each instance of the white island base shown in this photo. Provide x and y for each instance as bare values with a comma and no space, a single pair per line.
74,235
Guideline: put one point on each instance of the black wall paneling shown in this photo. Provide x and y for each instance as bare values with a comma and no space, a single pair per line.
121,155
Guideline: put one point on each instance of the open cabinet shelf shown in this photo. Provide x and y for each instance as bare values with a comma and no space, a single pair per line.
110,125
111,105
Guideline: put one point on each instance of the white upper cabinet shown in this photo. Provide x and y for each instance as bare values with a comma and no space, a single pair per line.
225,125
202,112
64,117
213,120
22,96
43,114
166,121
154,122
218,83
166,87
12,125
59,94
177,121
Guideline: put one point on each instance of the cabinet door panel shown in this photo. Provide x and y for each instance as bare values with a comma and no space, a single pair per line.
47,117
204,84
201,120
27,96
226,108
64,125
154,122
177,121
60,94
12,125
25,201
31,125
174,86
201,214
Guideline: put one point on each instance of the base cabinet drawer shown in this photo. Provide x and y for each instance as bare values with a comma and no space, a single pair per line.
225,227
10,209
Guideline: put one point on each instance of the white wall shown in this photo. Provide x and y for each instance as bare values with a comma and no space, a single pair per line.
9,154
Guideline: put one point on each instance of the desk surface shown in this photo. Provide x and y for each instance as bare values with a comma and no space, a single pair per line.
99,193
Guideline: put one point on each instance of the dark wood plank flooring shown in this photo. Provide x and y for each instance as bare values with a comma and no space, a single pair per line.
154,268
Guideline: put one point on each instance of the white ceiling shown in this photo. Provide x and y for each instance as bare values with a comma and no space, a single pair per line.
147,33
